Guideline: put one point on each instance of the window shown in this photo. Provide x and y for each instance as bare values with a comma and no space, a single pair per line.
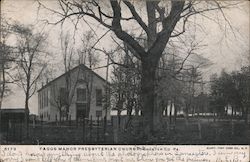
81,94
46,98
98,97
42,99
98,113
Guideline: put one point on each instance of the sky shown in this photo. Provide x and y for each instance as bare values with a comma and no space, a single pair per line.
226,51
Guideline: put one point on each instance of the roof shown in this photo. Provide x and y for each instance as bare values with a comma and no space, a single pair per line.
82,66
14,110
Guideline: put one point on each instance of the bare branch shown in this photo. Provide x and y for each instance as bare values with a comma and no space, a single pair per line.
183,28
116,27
168,26
136,16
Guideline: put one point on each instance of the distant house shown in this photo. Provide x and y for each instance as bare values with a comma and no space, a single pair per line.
11,116
32,117
77,94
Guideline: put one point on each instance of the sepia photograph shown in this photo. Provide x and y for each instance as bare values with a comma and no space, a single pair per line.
124,72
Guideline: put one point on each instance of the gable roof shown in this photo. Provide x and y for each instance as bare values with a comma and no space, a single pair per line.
71,70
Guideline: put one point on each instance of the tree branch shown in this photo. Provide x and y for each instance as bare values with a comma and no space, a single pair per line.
116,27
136,16
183,28
168,24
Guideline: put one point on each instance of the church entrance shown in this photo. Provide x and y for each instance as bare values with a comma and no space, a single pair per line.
81,111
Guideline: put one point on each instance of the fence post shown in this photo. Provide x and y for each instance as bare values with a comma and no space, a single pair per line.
104,128
84,130
21,127
77,122
232,128
69,120
56,120
91,126
14,132
34,122
98,128
199,128
41,127
7,134
112,121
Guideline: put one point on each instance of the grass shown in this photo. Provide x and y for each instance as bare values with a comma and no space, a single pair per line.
219,132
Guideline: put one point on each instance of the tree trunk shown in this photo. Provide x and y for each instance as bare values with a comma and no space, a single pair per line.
186,117
214,116
226,110
232,113
129,107
246,116
26,116
187,110
162,108
151,116
60,117
175,112
2,88
67,113
170,112
242,111
89,92
166,109
137,110
119,119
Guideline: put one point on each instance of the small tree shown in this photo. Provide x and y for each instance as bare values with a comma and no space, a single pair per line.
6,59
223,93
126,83
67,53
88,56
30,62
57,101
244,90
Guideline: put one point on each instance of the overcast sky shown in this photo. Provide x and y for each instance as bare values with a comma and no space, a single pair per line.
224,51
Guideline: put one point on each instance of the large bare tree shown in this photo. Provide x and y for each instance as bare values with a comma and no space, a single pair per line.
158,21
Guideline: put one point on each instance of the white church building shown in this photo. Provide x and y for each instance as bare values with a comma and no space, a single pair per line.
80,93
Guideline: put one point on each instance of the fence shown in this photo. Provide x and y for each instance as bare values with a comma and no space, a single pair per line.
12,134
126,131
67,132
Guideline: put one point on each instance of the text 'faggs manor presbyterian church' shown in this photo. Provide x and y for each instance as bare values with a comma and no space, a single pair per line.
77,94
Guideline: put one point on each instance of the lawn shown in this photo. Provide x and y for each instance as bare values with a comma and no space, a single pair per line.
210,132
